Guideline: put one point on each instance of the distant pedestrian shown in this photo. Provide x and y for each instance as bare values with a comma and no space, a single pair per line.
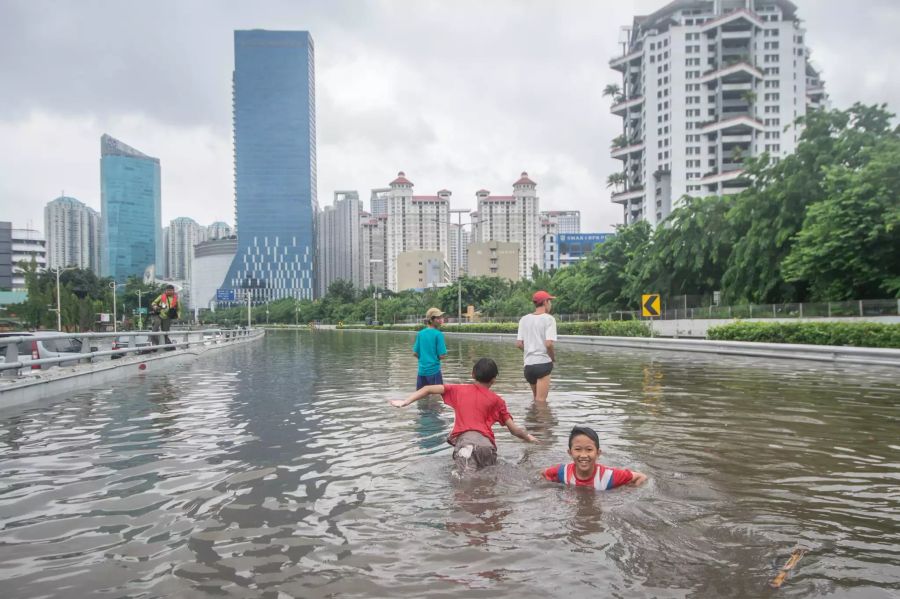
430,349
536,336
163,310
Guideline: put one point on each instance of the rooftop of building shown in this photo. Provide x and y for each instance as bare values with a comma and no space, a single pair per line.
663,16
110,146
524,180
401,179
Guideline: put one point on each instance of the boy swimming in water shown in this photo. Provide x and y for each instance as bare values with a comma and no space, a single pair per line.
584,471
477,409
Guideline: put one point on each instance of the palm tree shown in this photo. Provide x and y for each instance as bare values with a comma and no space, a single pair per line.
615,180
612,90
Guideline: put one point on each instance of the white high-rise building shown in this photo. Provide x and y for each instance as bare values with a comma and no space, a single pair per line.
706,84
219,230
27,245
553,223
459,244
378,201
73,234
183,234
373,250
338,240
516,219
415,223
567,221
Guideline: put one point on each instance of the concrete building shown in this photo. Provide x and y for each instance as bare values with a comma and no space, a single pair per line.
338,240
418,269
27,245
183,234
706,84
378,201
373,251
130,211
512,219
211,262
6,263
73,234
495,259
575,247
567,221
219,230
415,223
459,251
274,165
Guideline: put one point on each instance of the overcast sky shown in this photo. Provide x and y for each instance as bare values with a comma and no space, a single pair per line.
461,95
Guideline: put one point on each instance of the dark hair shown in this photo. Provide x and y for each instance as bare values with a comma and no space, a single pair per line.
172,287
587,432
485,370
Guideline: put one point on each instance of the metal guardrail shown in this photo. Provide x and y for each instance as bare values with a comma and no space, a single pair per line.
12,364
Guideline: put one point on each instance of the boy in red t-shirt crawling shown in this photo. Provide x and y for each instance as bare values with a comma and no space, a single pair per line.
584,471
477,409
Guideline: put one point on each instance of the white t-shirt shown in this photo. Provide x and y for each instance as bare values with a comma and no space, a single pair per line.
534,329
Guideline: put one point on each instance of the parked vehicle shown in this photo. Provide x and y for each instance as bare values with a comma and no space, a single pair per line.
43,345
124,342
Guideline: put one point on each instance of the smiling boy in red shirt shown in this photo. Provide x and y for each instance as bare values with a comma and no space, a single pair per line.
584,471
477,409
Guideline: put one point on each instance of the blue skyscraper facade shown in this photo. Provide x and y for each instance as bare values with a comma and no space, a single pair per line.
131,211
275,165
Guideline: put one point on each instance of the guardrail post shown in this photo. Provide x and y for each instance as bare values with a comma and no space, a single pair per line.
829,308
774,313
12,355
860,308
86,343
751,310
801,310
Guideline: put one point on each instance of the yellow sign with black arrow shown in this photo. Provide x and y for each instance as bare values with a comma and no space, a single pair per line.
650,305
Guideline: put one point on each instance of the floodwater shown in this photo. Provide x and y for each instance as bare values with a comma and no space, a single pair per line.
278,469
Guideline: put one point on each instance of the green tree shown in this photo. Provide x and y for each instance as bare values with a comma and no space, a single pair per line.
849,245
767,217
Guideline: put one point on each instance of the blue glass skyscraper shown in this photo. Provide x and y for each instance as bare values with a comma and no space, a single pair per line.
131,211
275,164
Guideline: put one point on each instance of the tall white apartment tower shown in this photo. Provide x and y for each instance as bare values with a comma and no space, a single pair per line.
183,234
73,234
515,218
459,256
706,84
373,250
415,223
338,241
378,201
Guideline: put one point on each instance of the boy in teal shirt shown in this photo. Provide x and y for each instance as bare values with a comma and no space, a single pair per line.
430,349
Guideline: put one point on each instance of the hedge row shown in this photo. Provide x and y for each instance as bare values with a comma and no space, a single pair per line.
605,328
855,334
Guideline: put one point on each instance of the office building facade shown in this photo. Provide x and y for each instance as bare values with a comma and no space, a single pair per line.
212,259
704,86
373,251
28,246
575,247
275,165
6,263
131,211
495,259
183,234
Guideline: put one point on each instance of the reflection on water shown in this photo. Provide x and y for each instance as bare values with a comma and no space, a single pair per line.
278,470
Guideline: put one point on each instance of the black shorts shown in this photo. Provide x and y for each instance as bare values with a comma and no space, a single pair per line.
533,372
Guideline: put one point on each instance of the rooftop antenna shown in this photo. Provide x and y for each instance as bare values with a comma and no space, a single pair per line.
624,38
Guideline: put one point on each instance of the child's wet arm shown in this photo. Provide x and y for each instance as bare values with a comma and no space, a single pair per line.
637,478
519,431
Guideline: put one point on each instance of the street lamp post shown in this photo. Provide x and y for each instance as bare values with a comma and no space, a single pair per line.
140,310
459,255
58,270
113,285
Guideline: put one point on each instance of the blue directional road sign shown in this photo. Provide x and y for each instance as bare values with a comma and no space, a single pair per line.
224,295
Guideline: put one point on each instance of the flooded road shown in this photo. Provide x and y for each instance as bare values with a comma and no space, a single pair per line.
277,469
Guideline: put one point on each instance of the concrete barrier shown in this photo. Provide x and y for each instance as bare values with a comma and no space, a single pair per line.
68,379
820,353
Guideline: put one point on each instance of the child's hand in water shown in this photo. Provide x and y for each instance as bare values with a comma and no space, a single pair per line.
532,439
398,403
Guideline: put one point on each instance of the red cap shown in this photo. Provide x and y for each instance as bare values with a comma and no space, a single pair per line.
540,297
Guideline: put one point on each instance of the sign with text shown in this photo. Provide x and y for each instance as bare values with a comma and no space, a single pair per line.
224,295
